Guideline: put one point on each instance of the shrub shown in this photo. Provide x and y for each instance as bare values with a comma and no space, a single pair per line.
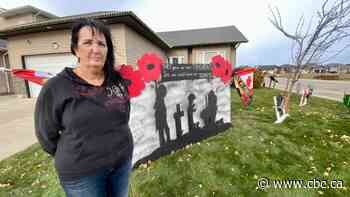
258,79
327,77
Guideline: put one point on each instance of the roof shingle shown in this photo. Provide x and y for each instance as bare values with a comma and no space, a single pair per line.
217,35
25,9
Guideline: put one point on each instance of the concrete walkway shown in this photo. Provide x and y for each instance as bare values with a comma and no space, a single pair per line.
16,124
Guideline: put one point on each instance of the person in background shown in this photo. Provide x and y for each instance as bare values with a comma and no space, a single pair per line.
82,115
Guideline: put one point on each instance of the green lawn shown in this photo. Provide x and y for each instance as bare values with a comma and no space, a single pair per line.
312,143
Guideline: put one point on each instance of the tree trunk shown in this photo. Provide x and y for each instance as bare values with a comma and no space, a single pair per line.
288,80
290,86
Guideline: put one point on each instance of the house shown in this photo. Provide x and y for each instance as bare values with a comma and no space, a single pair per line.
344,69
287,68
9,19
270,69
318,69
334,69
43,43
338,68
199,45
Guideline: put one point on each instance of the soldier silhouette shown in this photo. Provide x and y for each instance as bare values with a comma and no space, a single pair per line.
177,116
190,110
161,115
208,115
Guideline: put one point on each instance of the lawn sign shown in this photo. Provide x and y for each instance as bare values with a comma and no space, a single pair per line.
243,80
305,96
280,109
273,81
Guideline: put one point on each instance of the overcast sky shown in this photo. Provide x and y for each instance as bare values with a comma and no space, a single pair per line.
266,45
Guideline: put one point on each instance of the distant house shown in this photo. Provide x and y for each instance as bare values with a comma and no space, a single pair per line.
287,68
338,68
39,40
319,69
333,68
344,69
270,69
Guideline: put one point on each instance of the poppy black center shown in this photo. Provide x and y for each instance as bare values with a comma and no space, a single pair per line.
150,66
128,82
217,65
226,72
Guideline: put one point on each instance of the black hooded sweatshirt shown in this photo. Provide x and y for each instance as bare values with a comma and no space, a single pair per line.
84,127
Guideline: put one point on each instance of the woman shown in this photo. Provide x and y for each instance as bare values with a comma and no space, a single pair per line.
81,118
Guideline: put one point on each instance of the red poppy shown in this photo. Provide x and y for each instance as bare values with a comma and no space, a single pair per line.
136,84
227,73
249,81
217,66
150,66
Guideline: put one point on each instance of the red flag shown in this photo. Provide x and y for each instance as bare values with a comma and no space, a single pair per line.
32,75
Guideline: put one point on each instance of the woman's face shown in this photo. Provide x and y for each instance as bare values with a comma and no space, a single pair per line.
91,48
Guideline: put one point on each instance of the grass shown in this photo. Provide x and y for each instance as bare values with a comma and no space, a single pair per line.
312,143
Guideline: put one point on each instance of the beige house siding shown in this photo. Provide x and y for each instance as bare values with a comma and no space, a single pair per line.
3,83
15,20
137,45
118,36
179,52
233,56
228,50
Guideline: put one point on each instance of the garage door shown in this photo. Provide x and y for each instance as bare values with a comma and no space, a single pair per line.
52,63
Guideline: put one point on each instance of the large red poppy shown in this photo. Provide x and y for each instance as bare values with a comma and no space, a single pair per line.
150,66
217,66
227,72
136,83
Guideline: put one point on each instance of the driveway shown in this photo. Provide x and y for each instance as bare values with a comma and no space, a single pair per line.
329,89
16,124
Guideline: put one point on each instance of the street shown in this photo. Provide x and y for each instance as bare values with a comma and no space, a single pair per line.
329,89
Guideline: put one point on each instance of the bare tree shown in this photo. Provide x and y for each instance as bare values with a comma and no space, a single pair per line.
315,42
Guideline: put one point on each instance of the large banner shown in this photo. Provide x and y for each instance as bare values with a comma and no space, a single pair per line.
189,103
169,115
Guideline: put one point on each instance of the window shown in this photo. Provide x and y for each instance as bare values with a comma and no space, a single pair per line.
176,59
207,55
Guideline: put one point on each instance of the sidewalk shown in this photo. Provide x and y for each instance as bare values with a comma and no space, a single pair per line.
16,124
